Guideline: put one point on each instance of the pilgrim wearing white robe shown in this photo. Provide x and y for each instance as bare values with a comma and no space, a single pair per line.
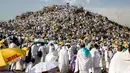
47,48
43,50
63,60
29,67
17,65
13,64
13,45
70,53
56,46
123,63
108,57
102,54
97,60
34,50
114,62
51,48
58,50
52,56
83,63
127,70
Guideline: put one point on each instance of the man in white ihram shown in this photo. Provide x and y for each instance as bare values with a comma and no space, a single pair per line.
84,60
97,59
52,56
34,50
114,60
42,48
63,60
122,63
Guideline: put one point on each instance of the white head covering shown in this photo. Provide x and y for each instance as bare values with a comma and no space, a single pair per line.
34,50
51,42
13,45
51,48
64,47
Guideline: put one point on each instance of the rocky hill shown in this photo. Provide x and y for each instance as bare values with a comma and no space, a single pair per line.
68,22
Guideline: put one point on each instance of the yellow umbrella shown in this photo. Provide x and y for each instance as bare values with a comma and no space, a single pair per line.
61,43
1,45
9,55
26,50
3,40
126,45
45,38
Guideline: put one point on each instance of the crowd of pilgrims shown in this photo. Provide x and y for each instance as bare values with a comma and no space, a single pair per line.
73,57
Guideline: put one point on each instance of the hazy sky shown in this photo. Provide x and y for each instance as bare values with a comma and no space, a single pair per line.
116,10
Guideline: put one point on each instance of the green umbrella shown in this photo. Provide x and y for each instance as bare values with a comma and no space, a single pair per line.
124,49
40,41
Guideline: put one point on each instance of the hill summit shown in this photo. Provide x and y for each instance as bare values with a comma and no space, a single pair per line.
67,22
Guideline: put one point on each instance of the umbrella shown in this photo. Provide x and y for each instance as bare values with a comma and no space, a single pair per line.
26,50
9,55
1,45
126,44
61,43
3,40
39,41
45,66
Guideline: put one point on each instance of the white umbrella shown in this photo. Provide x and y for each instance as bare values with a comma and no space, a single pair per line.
45,66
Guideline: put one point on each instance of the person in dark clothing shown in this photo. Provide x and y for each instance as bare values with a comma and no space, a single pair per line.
28,57
15,40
